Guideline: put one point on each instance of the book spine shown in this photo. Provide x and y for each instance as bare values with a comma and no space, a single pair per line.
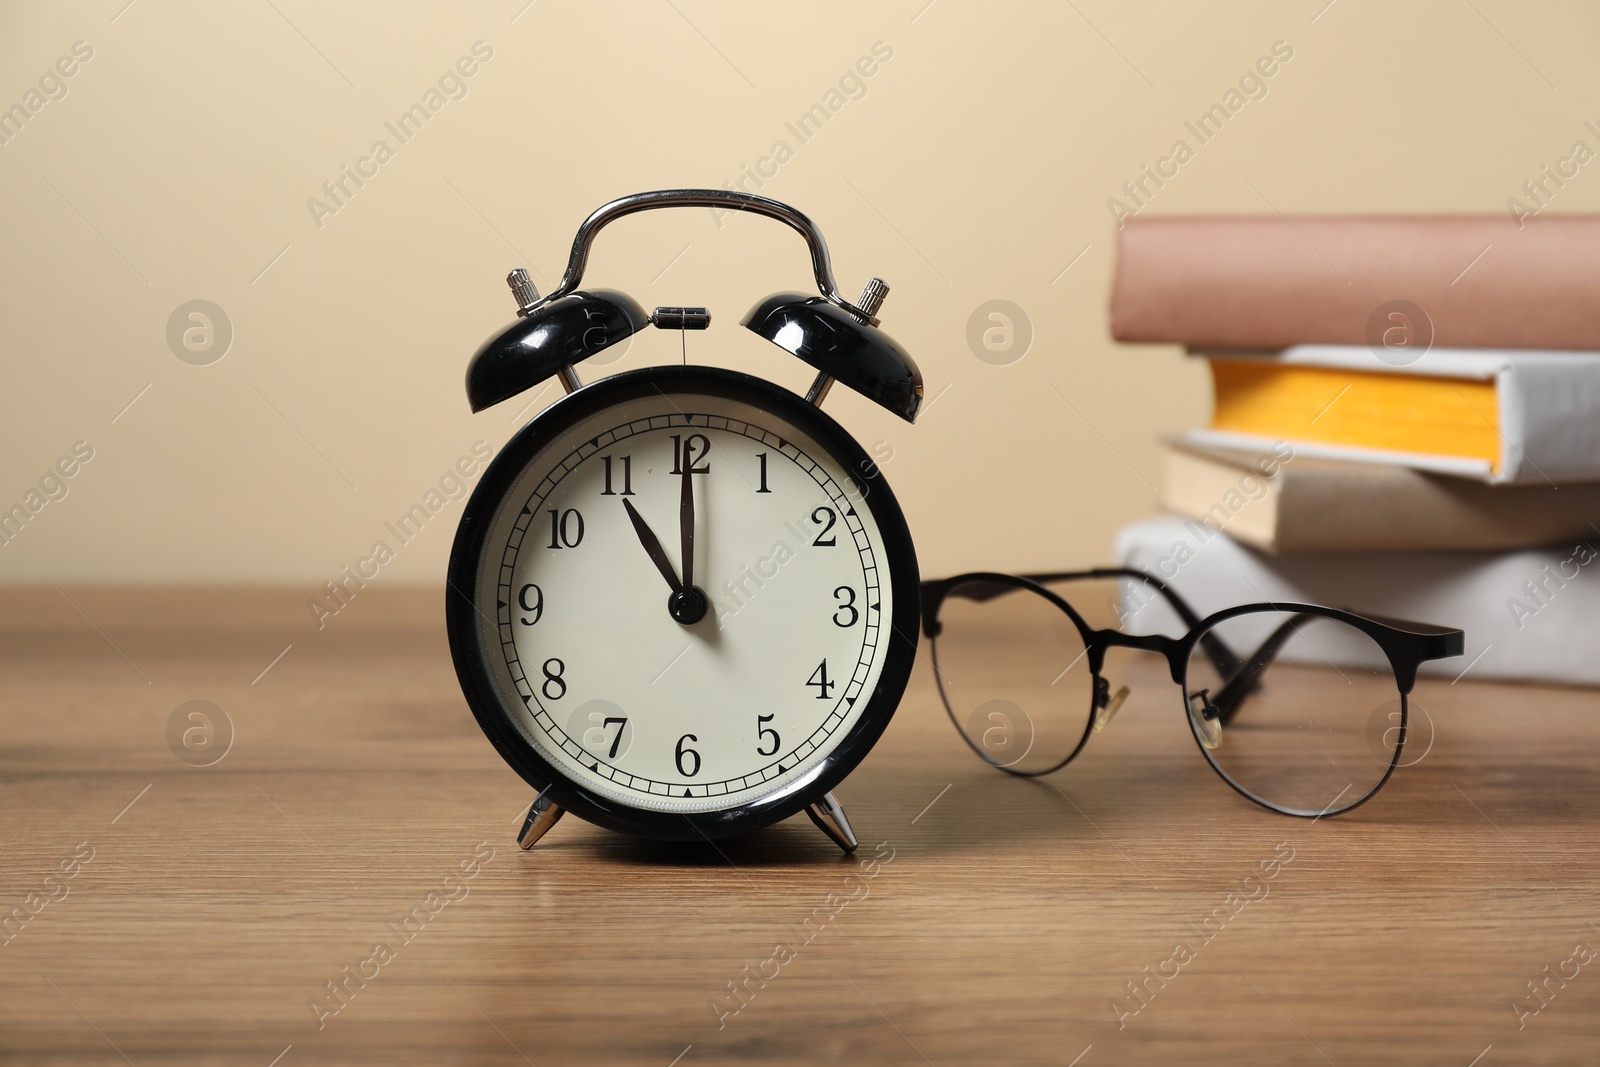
1549,422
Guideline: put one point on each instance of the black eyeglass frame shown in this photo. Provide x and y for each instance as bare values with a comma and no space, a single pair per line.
1407,645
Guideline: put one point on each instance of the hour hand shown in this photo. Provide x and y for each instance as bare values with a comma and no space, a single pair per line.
652,547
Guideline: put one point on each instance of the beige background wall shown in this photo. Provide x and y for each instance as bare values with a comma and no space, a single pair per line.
974,165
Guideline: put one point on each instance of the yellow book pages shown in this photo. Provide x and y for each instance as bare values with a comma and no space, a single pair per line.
1395,412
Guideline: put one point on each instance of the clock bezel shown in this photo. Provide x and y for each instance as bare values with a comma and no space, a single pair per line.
505,730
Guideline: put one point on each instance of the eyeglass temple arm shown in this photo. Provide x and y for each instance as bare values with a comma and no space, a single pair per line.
1410,644
1223,658
1420,641
1240,684
1433,642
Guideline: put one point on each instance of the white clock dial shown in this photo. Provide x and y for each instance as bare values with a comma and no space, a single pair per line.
614,691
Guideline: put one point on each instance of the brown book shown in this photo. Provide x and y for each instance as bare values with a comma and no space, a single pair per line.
1279,501
1270,282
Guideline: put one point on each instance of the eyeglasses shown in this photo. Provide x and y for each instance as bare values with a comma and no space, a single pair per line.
1282,698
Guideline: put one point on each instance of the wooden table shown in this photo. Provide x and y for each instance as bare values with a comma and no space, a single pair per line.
1002,919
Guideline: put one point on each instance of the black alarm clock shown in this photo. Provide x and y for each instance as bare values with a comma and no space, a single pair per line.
682,601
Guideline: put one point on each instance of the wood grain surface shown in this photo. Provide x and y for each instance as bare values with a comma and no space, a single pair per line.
985,919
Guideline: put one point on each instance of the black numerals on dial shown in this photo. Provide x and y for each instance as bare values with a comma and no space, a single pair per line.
696,451
848,614
687,755
566,528
819,678
691,454
535,608
621,724
627,476
825,518
555,686
763,732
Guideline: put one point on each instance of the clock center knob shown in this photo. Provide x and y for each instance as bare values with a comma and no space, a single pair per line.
688,606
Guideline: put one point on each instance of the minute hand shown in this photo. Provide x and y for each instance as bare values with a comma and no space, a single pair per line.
686,519
652,547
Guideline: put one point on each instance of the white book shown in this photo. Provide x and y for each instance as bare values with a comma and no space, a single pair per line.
1547,411
1531,615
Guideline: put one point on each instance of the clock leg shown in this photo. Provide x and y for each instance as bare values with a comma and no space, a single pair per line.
830,819
541,817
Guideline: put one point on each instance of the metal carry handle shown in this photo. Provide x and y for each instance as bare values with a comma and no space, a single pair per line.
725,198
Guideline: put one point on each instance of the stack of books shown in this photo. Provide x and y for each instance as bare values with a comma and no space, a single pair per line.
1407,423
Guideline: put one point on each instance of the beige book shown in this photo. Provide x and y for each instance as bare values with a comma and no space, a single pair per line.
1280,501
1267,282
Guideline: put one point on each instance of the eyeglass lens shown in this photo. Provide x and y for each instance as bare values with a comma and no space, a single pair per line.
1014,674
1309,723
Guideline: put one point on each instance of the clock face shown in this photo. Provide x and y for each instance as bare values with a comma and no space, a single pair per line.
684,592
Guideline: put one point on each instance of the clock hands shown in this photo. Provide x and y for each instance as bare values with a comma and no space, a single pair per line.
687,604
652,547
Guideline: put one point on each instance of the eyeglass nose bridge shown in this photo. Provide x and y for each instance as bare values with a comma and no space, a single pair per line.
1174,650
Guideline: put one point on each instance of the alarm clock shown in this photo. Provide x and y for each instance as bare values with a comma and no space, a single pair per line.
683,601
